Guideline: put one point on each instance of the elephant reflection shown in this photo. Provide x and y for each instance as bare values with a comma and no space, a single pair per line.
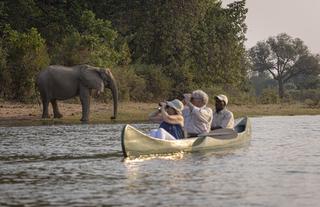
60,83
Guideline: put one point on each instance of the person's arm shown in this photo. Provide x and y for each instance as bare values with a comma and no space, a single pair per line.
187,101
226,120
156,116
171,119
203,114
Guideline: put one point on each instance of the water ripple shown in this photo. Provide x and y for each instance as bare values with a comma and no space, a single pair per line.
82,165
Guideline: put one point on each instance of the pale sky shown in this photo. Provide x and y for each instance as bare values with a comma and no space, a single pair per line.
297,18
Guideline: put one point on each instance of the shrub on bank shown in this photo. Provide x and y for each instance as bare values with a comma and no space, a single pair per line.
307,96
269,96
141,82
158,85
131,86
310,103
26,55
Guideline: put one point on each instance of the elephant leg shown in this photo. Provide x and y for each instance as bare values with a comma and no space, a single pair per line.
85,102
45,105
56,112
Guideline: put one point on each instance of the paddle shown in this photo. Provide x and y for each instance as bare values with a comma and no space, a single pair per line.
221,133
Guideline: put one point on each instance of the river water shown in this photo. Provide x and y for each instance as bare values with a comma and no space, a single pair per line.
82,165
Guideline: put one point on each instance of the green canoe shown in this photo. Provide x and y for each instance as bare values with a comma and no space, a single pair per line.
135,143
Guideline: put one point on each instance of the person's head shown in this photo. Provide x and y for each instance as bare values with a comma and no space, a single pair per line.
221,102
174,107
199,98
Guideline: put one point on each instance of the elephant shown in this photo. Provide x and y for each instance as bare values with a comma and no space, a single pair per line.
57,82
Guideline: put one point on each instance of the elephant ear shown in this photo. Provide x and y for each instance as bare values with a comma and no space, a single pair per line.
106,75
90,78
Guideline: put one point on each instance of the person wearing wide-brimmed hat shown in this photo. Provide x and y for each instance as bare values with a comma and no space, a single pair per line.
169,115
222,117
196,114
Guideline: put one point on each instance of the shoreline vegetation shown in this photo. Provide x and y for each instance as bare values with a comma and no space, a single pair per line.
20,114
194,45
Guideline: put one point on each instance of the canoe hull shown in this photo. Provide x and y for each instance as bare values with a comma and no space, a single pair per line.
136,143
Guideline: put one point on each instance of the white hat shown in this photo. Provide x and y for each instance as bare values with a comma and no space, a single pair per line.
176,105
222,97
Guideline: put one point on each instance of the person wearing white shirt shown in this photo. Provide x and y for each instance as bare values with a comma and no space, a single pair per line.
222,117
197,116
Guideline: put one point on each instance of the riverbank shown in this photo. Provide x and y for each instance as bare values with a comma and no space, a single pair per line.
17,114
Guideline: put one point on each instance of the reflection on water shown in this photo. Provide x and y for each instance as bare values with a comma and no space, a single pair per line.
82,165
172,156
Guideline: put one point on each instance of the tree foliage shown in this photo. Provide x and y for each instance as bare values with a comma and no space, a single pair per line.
94,43
283,57
131,86
218,45
26,54
198,43
163,48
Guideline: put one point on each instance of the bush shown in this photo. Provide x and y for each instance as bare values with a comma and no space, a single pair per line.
4,73
213,91
235,95
269,96
182,78
26,56
95,43
68,52
131,86
303,95
310,103
158,85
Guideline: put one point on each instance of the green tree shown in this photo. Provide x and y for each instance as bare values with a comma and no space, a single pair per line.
94,43
26,56
307,81
187,38
4,75
53,19
3,16
20,14
162,30
219,53
283,57
311,79
188,43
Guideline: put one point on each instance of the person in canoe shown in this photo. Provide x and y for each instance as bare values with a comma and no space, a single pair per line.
222,117
169,115
197,116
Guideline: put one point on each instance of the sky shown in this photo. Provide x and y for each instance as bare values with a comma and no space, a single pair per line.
297,18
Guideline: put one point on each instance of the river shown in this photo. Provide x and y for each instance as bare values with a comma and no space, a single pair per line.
82,165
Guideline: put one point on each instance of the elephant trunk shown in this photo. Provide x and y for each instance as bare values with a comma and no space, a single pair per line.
114,90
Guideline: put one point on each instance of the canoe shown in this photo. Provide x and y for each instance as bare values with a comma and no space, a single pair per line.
135,142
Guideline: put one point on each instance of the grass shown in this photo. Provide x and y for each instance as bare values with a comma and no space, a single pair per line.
16,114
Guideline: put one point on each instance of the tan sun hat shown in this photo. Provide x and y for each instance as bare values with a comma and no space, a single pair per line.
176,105
222,97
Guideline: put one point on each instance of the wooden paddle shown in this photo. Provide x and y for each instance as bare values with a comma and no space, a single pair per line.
221,134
